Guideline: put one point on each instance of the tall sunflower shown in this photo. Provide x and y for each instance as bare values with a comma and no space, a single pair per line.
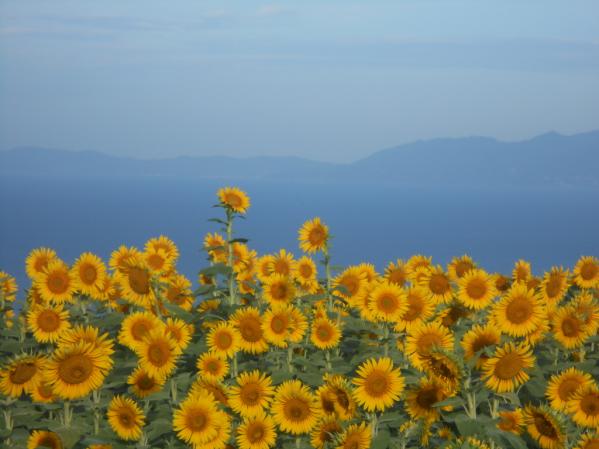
56,283
325,333
88,274
234,199
460,266
162,242
378,385
353,284
397,273
249,324
544,427
257,432
48,322
561,387
313,236
520,311
476,289
507,369
295,408
586,272
278,289
37,261
74,371
306,275
438,285
252,394
522,271
554,285
125,418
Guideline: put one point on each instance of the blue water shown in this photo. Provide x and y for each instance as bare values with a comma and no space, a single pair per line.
372,223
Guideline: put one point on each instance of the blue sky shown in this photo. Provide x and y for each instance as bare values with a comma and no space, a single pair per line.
329,80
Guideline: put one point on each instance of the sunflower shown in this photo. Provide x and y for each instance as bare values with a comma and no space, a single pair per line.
212,367
478,338
218,390
387,302
520,311
158,261
437,284
88,274
197,418
118,258
298,325
143,384
351,285
421,399
460,266
276,325
554,285
522,271
23,374
476,289
223,339
506,370
55,283
135,278
241,256
87,334
423,339
444,366
234,199
163,243
48,322
252,394
249,324
313,236
306,274
511,421
419,309
417,262
588,311
397,273
283,263
336,397
356,436
125,418
325,432
278,289
43,393
561,387
215,245
158,354
223,432
44,439
136,326
568,329
74,371
325,334
295,408
586,272
38,260
256,432
588,441
502,283
583,406
378,385
544,427
179,331
8,287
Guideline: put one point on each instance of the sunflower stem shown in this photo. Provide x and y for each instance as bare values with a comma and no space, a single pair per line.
327,357
386,338
68,414
235,365
327,269
173,389
289,359
232,298
97,417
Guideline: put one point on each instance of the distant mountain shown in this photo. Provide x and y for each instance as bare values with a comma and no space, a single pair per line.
549,160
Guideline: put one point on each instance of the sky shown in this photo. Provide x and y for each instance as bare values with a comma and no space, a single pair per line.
331,80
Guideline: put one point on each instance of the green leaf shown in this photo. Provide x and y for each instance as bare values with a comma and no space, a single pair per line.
381,441
455,401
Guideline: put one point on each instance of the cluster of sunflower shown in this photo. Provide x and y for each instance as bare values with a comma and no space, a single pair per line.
277,351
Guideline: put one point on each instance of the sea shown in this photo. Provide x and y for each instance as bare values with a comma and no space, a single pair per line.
369,223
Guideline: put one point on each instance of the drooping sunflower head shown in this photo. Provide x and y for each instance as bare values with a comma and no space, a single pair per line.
508,367
522,271
143,384
388,302
356,436
22,374
249,324
476,289
583,406
257,432
125,418
178,291
378,384
215,245
511,421
75,370
211,366
88,273
444,366
561,387
8,287
56,282
421,399
544,427
217,390
37,261
477,339
502,283
337,397
43,393
520,311
252,394
460,266
423,339
48,322
586,272
325,432
234,199
295,408
313,236
325,333
44,439
437,284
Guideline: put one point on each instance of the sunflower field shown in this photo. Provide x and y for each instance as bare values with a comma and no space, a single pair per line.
278,351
